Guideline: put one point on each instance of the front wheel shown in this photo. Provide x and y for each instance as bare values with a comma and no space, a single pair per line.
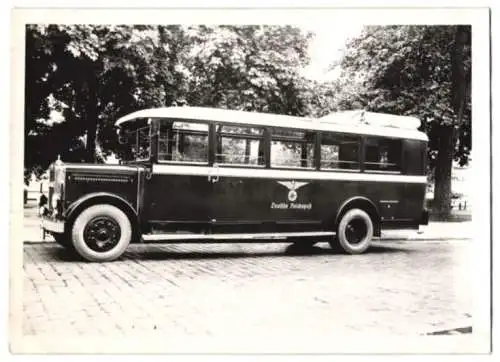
101,233
354,232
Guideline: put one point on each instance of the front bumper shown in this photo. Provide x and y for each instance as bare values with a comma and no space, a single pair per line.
52,225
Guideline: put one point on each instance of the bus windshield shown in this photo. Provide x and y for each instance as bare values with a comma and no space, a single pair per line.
135,142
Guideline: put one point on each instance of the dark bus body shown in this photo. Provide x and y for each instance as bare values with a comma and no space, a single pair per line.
204,175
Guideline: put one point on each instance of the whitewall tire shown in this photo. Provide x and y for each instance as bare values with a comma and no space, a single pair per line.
101,233
354,232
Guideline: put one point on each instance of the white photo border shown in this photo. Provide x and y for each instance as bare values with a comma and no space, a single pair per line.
478,341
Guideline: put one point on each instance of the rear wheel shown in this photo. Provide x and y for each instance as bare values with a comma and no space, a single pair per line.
101,233
354,232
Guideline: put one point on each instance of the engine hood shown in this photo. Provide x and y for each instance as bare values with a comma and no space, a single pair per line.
122,181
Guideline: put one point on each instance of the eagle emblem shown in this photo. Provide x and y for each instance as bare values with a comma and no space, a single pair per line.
293,187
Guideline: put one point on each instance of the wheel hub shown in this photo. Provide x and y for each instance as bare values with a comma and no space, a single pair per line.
102,234
356,231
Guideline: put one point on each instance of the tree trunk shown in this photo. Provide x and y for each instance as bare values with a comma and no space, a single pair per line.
92,116
91,135
442,188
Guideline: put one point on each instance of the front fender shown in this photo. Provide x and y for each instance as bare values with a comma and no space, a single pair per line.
101,198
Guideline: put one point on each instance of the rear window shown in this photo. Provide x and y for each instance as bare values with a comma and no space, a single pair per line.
383,155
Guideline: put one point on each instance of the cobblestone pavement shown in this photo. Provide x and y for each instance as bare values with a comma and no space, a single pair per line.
399,288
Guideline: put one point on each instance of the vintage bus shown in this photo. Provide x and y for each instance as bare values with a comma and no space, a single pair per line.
196,174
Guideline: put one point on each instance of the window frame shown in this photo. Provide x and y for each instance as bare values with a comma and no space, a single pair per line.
412,148
267,138
188,132
283,138
369,138
358,139
135,133
244,136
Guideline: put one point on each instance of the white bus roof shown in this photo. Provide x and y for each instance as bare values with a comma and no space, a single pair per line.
357,122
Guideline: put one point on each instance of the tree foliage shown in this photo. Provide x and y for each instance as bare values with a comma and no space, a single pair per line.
422,71
407,70
92,74
89,74
246,67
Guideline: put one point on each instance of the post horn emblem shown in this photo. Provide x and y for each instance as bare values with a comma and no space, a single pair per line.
293,187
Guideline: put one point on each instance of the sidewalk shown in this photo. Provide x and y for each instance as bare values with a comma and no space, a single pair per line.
436,230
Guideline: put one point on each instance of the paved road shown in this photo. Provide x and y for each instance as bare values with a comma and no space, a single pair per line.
399,288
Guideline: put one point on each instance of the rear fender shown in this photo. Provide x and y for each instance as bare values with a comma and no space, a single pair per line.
364,204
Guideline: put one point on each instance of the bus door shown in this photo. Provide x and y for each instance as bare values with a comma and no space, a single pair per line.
179,191
239,190
293,193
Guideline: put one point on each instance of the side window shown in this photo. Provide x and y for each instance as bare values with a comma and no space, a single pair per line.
383,155
414,156
239,145
339,152
140,142
183,142
290,148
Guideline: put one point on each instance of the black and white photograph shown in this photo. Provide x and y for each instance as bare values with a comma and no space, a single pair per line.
250,181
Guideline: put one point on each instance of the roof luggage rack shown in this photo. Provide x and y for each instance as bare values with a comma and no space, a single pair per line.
376,119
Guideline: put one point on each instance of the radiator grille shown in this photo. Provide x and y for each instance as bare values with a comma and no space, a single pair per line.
97,178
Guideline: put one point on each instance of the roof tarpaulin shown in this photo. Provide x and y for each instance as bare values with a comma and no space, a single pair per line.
359,117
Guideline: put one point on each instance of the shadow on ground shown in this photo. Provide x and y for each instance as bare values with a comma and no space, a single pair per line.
447,332
172,252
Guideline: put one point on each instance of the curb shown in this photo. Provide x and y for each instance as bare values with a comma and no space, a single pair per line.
38,242
430,238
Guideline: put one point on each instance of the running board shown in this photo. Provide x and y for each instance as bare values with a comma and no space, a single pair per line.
274,236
